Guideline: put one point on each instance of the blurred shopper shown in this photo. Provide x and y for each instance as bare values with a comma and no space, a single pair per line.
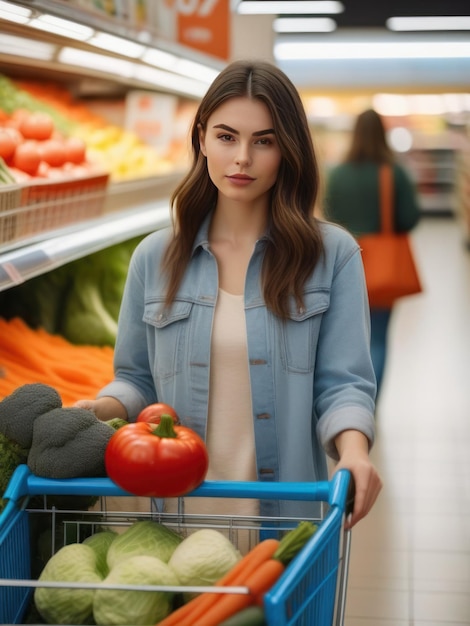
352,200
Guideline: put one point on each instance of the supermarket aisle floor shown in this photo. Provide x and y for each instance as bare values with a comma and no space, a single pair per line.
410,563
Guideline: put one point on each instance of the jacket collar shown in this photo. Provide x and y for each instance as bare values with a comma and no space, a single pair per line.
202,238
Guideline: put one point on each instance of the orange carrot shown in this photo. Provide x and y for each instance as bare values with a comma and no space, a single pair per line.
33,355
258,583
258,580
198,607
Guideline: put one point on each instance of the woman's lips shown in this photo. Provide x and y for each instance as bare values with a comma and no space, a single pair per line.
240,179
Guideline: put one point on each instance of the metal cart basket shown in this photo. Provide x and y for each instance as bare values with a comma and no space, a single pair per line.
311,591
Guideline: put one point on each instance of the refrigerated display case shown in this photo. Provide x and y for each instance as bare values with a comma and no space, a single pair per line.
129,207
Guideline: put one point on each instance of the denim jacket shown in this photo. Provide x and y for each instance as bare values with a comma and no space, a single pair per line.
311,376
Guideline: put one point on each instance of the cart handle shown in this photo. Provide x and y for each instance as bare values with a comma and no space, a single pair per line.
350,495
335,491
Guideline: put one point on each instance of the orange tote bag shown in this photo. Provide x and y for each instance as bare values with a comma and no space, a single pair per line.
389,264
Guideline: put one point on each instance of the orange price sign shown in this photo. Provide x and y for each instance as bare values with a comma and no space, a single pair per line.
203,25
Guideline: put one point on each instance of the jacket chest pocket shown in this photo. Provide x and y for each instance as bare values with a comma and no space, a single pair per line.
168,336
299,334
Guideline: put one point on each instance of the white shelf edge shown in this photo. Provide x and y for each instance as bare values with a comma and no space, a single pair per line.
80,240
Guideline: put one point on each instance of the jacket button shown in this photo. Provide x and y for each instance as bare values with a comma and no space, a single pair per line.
266,471
161,317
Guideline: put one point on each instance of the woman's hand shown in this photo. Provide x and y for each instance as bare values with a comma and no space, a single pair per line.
353,450
105,408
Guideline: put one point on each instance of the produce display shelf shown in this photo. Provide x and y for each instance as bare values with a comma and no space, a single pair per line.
79,240
39,207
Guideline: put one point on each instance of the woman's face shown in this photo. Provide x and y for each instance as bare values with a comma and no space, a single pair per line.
243,155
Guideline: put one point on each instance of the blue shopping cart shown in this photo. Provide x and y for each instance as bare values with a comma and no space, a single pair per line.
311,591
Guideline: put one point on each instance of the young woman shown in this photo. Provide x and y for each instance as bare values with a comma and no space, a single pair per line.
352,199
249,316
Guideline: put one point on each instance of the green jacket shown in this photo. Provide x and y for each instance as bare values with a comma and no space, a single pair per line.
352,198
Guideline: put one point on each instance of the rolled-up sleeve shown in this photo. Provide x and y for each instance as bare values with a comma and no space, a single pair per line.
345,385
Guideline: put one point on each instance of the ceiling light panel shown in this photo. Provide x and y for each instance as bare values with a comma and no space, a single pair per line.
13,13
179,65
429,23
304,25
119,45
160,58
95,61
20,46
289,7
159,78
189,68
59,26
315,51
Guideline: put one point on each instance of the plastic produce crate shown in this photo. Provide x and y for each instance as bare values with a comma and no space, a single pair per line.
10,201
39,207
311,591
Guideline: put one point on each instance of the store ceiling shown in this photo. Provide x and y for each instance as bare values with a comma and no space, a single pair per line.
364,21
366,14
370,14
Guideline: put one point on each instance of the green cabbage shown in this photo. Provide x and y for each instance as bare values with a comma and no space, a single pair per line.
203,557
72,563
100,543
143,537
117,606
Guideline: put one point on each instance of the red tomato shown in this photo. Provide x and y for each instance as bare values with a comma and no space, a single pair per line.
43,170
19,175
19,115
75,150
56,173
76,171
27,158
36,125
14,134
7,144
48,171
152,413
52,152
161,461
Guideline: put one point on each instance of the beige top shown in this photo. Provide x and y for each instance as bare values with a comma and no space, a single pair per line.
230,433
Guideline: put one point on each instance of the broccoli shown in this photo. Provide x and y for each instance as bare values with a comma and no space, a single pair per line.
58,443
68,443
55,442
19,410
116,423
11,455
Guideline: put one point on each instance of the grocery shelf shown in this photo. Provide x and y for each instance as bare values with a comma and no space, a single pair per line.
131,208
45,50
79,240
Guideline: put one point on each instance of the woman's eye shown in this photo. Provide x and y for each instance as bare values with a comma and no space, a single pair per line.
265,141
225,137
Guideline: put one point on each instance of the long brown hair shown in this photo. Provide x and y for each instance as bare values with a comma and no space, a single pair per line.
294,243
369,141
